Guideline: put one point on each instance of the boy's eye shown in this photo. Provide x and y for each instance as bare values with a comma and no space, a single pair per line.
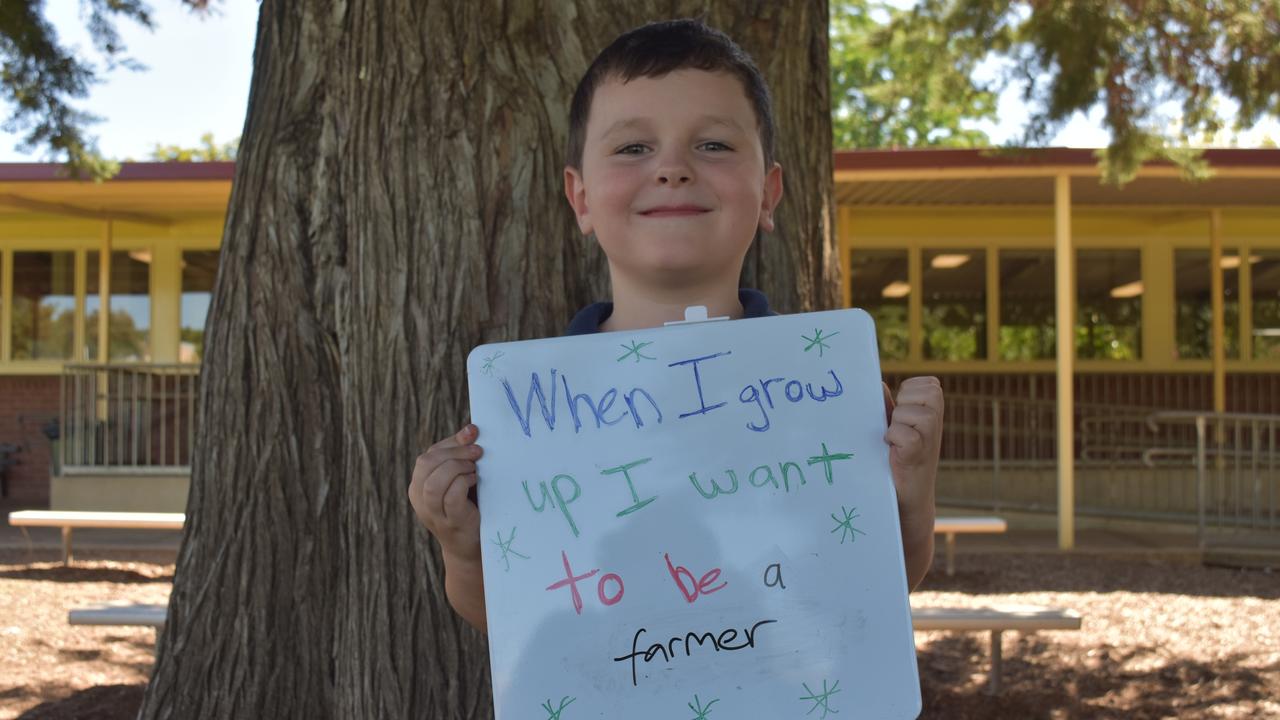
714,145
632,149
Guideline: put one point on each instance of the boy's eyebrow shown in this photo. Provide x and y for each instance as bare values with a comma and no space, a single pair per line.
643,123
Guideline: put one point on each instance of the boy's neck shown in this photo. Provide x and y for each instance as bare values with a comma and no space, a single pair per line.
637,308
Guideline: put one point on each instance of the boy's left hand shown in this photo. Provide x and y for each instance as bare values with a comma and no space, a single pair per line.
915,440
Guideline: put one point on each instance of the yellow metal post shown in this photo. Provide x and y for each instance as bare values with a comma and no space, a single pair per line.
104,319
104,292
1064,283
1215,289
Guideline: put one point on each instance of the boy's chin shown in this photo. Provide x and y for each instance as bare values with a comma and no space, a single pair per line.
672,275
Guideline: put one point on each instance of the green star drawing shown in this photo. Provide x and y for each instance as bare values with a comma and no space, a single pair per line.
699,708
488,368
634,349
555,714
821,700
505,545
845,526
819,340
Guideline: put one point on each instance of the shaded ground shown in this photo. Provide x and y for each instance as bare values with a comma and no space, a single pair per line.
1161,639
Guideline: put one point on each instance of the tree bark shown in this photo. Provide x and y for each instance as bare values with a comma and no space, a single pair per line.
398,201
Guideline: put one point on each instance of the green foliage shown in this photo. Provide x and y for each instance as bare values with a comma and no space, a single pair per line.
899,83
1136,60
40,78
207,151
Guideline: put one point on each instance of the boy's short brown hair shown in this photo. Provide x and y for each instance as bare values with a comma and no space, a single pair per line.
660,48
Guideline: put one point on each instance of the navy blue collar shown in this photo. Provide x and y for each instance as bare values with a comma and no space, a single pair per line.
589,318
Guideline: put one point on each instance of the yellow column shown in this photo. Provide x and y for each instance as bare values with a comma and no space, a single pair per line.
104,294
993,303
166,300
915,305
1246,302
1064,283
6,302
1215,290
844,245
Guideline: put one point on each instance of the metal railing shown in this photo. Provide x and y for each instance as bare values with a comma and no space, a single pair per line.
1237,469
1220,472
128,418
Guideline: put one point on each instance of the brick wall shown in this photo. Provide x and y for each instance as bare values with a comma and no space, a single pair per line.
34,398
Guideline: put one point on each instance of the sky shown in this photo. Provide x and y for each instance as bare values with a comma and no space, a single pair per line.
199,67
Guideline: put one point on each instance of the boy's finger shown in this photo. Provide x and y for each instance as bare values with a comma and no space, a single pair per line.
429,461
440,481
465,436
920,417
924,393
907,439
458,508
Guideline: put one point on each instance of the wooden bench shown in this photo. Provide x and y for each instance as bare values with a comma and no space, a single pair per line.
996,619
119,614
71,519
952,526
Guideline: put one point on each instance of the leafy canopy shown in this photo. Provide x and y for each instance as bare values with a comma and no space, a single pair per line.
1156,68
40,77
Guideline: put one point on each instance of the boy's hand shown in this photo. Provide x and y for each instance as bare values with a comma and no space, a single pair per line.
915,440
440,492
442,480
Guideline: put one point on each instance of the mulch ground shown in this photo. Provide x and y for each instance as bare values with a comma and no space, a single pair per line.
1161,639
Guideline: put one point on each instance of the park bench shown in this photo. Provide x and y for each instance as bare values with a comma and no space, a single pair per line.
952,526
68,520
996,620
119,614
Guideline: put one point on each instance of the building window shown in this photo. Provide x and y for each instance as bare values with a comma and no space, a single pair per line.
44,305
1109,304
199,268
955,304
129,326
1193,303
880,286
1265,274
1027,305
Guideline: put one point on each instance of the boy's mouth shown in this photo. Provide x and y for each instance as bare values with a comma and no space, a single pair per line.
674,211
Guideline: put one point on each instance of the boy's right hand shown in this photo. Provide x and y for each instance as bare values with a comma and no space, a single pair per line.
439,492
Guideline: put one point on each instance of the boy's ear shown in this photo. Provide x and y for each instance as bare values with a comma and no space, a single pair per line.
576,191
772,196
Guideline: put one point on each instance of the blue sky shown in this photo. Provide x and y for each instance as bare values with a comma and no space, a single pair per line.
198,72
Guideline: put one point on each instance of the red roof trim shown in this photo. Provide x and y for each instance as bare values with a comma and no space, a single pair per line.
130,171
923,158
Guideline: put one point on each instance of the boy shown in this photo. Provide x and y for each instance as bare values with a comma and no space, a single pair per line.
671,167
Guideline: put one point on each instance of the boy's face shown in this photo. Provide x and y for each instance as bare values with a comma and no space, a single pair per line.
673,181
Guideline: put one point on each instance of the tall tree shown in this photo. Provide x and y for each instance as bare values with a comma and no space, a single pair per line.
397,200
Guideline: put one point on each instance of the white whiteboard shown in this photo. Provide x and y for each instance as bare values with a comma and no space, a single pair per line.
619,454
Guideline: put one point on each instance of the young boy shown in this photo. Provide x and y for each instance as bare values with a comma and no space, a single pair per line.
671,167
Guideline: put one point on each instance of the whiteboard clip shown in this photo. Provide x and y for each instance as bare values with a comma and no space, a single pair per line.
695,314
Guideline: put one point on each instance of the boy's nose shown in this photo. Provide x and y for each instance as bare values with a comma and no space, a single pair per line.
673,177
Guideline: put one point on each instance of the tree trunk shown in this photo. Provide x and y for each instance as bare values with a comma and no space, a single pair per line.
397,201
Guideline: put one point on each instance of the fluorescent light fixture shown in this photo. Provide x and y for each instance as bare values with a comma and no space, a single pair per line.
896,289
1231,262
1128,290
142,256
948,261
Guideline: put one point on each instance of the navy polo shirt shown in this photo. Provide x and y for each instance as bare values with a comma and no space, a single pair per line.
588,319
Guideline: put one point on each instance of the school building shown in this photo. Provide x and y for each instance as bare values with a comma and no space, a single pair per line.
1166,390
